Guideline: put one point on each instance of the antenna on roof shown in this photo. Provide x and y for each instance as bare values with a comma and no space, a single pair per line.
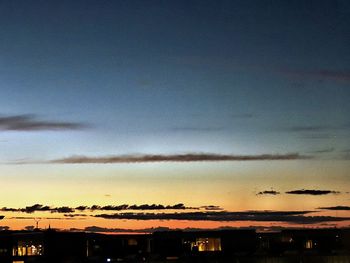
37,220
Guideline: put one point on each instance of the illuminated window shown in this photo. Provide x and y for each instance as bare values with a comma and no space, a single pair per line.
27,249
207,244
308,244
132,242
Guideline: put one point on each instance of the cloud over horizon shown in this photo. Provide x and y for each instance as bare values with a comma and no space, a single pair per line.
336,208
312,192
268,192
297,217
153,229
189,157
28,122
67,209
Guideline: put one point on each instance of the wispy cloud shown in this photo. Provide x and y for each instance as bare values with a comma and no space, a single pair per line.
37,208
310,128
297,217
211,207
190,157
41,218
98,229
336,208
312,192
268,192
160,229
318,131
318,136
321,151
67,209
342,76
206,216
33,123
196,129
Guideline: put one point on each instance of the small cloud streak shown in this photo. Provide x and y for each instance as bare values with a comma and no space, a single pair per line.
312,192
310,128
197,129
336,208
268,192
191,157
211,208
318,136
97,229
321,151
342,76
32,123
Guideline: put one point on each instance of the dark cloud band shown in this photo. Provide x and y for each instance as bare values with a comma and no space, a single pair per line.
342,76
336,208
32,123
312,192
191,157
297,217
268,192
66,209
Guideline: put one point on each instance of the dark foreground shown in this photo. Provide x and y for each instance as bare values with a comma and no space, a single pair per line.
287,246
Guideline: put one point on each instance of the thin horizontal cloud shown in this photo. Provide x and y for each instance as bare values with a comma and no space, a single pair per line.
39,208
32,123
345,156
312,192
268,192
97,229
336,208
40,218
211,208
242,116
297,217
342,76
317,128
66,209
310,128
190,157
196,129
318,136
139,207
206,216
321,151
75,215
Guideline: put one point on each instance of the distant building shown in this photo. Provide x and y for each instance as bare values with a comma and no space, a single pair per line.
49,246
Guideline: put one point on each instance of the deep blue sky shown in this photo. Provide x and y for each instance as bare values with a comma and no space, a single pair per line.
105,79
178,76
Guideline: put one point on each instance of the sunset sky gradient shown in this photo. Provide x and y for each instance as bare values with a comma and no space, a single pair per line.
234,104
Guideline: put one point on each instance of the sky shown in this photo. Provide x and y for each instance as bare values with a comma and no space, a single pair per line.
221,113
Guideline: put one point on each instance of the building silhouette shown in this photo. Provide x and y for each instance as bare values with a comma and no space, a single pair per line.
303,245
